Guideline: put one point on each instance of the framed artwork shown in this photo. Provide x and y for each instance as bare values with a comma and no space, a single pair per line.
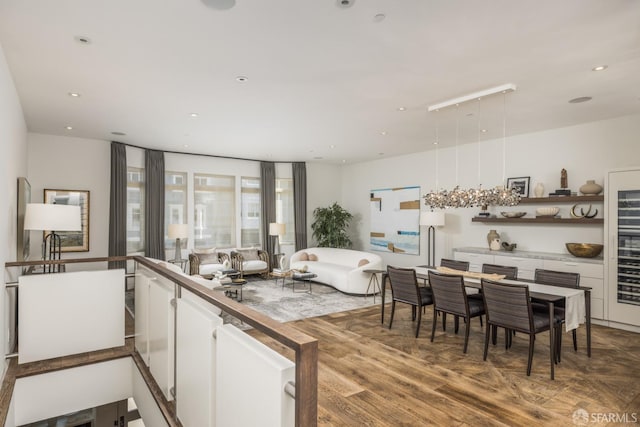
521,184
23,240
72,241
395,220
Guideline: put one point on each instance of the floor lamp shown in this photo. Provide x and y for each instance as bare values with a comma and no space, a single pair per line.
178,231
276,229
431,220
49,217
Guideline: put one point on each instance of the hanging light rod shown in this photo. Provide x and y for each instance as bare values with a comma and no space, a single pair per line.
509,87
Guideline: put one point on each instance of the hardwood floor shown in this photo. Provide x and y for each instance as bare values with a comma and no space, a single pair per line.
370,375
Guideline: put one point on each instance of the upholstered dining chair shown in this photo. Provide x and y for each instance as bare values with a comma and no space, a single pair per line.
449,296
564,280
508,306
405,289
455,264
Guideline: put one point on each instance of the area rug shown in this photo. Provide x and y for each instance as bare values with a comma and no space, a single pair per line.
283,304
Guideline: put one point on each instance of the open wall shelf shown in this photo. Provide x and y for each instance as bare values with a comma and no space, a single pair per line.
542,220
561,199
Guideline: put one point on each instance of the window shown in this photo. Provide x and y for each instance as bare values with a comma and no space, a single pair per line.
135,210
250,212
214,211
175,202
284,208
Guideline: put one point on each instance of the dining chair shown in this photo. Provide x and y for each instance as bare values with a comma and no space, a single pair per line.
455,264
565,280
508,306
450,296
405,289
508,272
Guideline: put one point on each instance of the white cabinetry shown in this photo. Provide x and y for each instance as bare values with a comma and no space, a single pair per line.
526,266
475,260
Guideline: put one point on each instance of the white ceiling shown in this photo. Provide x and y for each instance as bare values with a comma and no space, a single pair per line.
323,81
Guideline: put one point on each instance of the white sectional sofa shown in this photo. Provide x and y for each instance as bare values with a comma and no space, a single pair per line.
340,268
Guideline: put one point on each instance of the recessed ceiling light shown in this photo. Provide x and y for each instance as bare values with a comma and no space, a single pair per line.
332,146
74,94
383,133
82,39
380,154
69,128
186,145
344,161
402,108
435,143
580,99
484,130
194,115
345,3
242,79
219,4
600,68
379,17
118,133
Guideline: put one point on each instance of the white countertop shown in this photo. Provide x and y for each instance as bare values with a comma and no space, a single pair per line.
531,254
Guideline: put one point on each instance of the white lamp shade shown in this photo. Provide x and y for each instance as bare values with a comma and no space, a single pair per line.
178,231
435,219
276,229
48,216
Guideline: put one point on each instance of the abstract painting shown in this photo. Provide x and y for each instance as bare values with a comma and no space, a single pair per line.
395,220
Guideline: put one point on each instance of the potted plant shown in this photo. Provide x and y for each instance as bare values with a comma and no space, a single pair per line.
330,226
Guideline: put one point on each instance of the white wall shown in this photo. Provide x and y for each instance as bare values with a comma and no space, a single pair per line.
66,163
585,151
13,137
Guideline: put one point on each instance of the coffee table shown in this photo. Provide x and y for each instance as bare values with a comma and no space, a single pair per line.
297,276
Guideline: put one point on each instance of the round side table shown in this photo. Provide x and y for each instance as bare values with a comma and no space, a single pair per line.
373,282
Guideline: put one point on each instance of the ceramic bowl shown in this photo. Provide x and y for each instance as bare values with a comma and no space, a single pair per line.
547,211
584,250
513,214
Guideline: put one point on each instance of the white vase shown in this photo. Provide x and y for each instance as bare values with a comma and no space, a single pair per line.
539,190
591,188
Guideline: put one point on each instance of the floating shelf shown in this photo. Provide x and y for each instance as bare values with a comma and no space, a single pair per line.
543,220
561,199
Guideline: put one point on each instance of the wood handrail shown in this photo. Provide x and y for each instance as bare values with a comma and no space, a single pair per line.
304,346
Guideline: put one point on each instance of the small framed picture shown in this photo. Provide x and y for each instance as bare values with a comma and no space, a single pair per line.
521,184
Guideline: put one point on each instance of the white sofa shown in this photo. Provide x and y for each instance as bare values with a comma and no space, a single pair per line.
340,268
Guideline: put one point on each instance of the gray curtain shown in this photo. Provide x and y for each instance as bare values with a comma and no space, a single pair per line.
118,204
268,203
154,204
300,203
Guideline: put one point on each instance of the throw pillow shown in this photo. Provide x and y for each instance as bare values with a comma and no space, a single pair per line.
363,262
249,254
204,251
304,257
211,258
313,257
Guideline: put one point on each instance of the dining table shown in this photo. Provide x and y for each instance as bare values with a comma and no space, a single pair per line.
577,302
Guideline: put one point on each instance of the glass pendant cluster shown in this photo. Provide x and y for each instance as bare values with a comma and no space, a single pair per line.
470,198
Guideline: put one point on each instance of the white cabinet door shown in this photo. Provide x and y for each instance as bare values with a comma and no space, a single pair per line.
591,275
475,260
526,266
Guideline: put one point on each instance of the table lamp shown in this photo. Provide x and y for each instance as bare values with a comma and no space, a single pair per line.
276,229
431,220
178,231
52,217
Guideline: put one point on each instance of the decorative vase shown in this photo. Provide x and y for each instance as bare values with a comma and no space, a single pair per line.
493,234
591,188
495,245
539,190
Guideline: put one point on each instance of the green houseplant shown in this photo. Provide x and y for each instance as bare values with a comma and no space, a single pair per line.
330,226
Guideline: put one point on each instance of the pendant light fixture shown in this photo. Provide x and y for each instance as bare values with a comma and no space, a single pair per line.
461,198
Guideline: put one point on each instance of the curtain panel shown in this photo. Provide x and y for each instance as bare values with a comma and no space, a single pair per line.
300,203
268,203
118,204
154,204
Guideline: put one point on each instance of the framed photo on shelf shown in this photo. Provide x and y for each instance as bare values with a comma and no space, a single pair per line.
521,184
72,241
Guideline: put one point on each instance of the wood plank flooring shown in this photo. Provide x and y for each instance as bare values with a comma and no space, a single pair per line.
370,375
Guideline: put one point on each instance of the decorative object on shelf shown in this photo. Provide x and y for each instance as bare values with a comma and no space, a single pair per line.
539,190
584,250
513,214
178,231
520,184
564,182
509,247
588,214
495,245
547,211
491,236
591,188
473,197
432,220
